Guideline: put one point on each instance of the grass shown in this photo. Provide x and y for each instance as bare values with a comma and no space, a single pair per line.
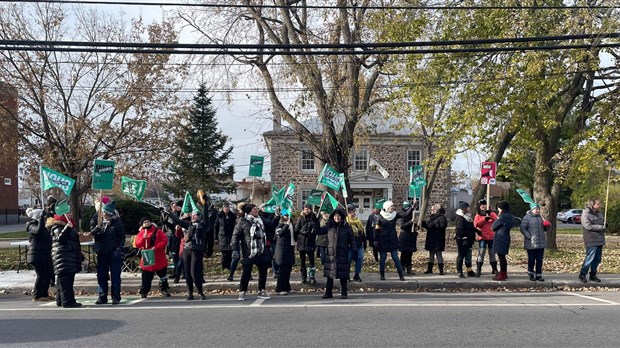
14,235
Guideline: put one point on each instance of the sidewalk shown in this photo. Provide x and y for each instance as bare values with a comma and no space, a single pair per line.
13,228
86,283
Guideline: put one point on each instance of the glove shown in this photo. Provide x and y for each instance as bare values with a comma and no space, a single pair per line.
606,225
96,230
478,232
487,218
488,212
235,254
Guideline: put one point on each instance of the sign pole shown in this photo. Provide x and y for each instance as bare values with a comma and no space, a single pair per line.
252,194
488,196
607,196
100,213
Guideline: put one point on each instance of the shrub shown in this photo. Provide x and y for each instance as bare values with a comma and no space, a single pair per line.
131,213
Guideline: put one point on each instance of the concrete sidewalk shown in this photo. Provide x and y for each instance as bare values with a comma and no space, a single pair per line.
21,227
86,283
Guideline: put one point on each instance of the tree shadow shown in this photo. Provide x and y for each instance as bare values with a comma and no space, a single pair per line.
49,330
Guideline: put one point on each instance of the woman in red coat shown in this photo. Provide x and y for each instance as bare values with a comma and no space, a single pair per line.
151,237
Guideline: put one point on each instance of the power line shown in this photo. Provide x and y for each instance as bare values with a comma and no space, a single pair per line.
324,7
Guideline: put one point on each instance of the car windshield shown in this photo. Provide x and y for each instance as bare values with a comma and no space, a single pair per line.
564,211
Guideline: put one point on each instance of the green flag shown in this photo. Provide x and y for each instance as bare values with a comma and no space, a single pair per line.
189,205
133,188
416,176
526,196
256,166
103,174
329,203
415,191
62,207
314,198
330,177
270,206
51,178
280,196
379,203
287,202
343,185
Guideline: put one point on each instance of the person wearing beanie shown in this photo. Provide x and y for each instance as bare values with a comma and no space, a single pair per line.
465,237
109,241
356,253
240,214
224,226
249,244
594,227
271,221
534,241
340,240
151,237
66,256
386,238
435,243
407,238
305,232
370,228
485,236
40,253
174,232
284,255
193,253
501,244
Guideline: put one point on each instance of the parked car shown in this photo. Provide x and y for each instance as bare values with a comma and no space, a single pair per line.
577,219
568,215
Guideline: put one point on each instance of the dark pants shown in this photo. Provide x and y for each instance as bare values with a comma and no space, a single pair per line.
226,259
234,263
209,241
330,286
284,278
192,261
375,253
109,263
464,254
275,268
147,279
64,289
302,260
322,252
534,260
503,263
177,261
45,273
247,273
406,258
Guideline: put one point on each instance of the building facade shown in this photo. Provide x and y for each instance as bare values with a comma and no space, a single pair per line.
9,201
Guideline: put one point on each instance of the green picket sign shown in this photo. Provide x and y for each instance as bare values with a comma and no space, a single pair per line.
256,166
103,174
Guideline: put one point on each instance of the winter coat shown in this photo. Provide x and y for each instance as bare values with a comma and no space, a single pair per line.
194,237
242,241
484,226
153,238
321,239
407,238
435,228
370,227
593,228
358,232
385,234
305,232
209,216
533,232
502,226
40,249
465,232
285,245
270,221
339,240
66,250
224,226
109,237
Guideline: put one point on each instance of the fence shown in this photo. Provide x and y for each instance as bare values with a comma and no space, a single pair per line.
12,216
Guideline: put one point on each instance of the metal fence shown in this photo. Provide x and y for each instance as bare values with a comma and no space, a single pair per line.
12,216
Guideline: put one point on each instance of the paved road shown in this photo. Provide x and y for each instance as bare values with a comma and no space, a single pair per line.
529,319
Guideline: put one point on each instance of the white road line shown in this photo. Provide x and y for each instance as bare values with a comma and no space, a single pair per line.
590,298
257,303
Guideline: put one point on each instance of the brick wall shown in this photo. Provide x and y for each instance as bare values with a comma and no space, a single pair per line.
9,158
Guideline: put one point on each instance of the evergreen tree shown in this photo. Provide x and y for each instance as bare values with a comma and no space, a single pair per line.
201,152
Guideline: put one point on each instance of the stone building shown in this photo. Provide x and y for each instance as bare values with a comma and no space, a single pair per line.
9,159
394,151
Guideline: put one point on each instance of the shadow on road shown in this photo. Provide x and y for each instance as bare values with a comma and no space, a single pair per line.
49,330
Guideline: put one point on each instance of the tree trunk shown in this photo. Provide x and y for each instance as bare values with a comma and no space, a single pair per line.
543,191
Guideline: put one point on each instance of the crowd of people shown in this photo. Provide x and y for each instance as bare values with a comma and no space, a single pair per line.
251,236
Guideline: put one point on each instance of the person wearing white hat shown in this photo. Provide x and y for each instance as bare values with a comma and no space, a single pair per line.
386,238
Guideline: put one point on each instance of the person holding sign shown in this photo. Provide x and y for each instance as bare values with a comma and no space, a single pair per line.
66,256
485,236
501,244
305,232
152,241
40,253
109,242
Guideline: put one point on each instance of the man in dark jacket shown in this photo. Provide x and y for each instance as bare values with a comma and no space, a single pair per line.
109,242
465,237
594,227
306,242
271,221
40,253
174,233
370,228
209,215
224,226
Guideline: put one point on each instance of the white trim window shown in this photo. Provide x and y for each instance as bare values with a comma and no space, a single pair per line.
307,161
7,181
414,158
360,160
305,193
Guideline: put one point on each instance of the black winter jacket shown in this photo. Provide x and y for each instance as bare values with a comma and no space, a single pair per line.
66,249
109,237
285,252
40,249
465,232
194,237
435,228
224,226
270,221
241,241
339,240
305,232
408,237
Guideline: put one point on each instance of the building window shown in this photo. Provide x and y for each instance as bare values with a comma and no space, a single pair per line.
307,161
414,158
305,193
7,181
360,160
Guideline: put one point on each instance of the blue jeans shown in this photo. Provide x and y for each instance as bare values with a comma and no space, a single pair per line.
109,262
323,254
484,245
594,255
383,257
535,260
358,253
274,266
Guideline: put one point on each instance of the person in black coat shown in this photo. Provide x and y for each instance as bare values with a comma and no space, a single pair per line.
284,255
386,237
40,253
465,238
224,226
340,240
305,232
174,233
501,246
370,228
193,253
435,243
66,256
271,221
407,239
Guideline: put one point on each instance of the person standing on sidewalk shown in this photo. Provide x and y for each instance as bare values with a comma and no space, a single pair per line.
224,226
305,232
284,255
151,237
386,238
533,228
249,244
435,243
271,221
485,236
407,238
465,236
66,256
356,253
174,233
340,240
321,239
40,253
370,229
193,253
109,242
501,244
594,229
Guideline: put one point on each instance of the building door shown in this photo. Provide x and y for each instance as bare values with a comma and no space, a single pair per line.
363,202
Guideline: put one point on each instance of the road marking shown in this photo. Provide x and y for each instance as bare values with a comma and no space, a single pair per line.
258,302
590,298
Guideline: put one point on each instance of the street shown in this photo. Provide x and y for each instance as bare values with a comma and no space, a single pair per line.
482,319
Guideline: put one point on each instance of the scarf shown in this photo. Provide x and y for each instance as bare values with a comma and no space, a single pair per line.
257,235
465,216
388,216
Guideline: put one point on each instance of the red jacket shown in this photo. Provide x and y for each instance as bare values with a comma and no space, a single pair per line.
485,226
143,239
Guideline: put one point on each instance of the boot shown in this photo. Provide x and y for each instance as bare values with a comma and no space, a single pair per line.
382,273
409,271
357,278
311,272
582,278
470,272
429,269
440,268
329,286
343,290
459,269
594,278
400,276
493,267
478,269
500,276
